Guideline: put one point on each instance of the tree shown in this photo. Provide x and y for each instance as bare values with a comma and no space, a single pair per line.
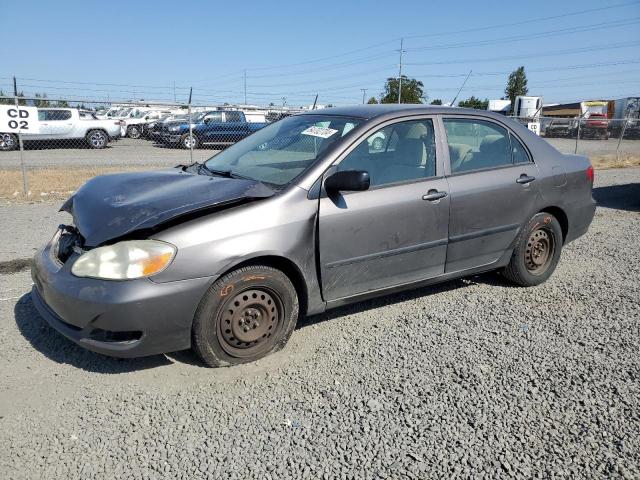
473,102
372,101
11,101
412,91
516,85
40,100
436,101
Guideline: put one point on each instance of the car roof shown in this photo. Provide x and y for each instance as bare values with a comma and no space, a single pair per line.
367,111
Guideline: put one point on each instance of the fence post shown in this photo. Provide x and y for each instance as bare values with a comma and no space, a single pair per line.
190,129
624,128
575,151
25,179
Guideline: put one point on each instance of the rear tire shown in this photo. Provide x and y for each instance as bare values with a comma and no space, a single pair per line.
537,251
97,139
245,315
134,131
8,142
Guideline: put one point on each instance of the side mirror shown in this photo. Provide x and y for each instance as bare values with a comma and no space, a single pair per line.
348,181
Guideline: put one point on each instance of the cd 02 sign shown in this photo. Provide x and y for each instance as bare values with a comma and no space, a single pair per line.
19,119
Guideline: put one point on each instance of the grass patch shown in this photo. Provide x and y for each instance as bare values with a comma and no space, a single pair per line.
59,183
613,161
52,182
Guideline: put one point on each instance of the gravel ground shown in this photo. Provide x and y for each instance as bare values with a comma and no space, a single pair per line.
128,152
470,379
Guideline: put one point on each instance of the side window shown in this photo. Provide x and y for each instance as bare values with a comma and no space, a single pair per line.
476,145
233,116
42,115
213,117
518,152
400,152
58,115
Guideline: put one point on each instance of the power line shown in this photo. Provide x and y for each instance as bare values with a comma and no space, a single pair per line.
525,22
547,34
534,55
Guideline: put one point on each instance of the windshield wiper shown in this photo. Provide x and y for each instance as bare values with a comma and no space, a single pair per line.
225,173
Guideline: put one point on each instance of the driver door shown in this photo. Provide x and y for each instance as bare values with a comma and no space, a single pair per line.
396,232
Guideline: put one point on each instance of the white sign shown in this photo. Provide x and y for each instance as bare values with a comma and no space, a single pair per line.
322,132
534,127
21,119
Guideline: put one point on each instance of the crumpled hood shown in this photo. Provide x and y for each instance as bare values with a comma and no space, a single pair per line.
110,206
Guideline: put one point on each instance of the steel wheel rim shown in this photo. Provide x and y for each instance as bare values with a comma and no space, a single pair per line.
97,139
248,323
540,250
133,132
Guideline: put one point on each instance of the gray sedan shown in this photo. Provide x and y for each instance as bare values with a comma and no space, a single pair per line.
304,215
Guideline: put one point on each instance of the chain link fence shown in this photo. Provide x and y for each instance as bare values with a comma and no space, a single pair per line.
50,147
607,142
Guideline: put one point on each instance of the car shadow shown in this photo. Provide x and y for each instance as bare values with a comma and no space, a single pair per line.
58,145
619,197
490,278
59,349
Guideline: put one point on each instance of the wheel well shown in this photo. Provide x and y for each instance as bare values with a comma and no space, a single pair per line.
96,130
287,267
561,217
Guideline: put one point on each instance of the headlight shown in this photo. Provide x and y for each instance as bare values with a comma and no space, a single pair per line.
125,260
174,129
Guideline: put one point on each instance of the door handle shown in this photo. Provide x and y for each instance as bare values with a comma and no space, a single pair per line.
525,179
433,195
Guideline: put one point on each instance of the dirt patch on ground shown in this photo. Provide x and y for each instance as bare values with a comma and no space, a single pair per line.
15,266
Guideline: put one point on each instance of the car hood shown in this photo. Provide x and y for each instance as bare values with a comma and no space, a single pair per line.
111,206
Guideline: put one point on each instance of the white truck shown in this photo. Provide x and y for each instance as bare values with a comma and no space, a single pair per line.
54,124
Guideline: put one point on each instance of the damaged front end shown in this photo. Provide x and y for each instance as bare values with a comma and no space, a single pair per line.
111,207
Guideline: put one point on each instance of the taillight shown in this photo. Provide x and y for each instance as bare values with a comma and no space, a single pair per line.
590,174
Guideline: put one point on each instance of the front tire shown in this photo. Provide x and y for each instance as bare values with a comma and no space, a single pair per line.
8,142
537,251
188,141
97,139
134,131
245,315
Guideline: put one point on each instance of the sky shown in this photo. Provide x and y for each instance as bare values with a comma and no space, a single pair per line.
290,50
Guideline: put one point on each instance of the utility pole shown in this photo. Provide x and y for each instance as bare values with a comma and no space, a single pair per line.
284,101
364,93
245,87
400,74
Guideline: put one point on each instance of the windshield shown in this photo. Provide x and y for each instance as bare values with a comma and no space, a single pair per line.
280,152
139,114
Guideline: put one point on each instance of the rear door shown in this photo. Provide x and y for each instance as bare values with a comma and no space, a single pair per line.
493,191
395,232
60,123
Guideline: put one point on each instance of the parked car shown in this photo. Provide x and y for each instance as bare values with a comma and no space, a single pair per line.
214,127
67,124
134,123
302,216
153,129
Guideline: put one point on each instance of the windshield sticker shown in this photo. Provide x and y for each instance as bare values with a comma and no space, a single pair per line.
322,132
